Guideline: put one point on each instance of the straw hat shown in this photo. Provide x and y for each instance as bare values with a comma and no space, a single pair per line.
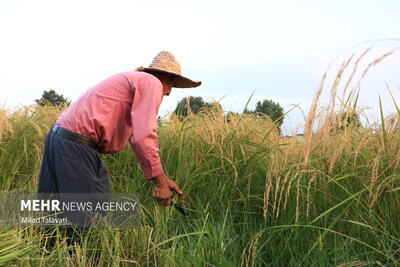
165,62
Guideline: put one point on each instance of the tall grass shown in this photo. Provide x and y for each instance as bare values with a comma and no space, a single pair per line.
254,198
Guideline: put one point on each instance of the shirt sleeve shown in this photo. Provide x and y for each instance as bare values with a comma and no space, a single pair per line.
144,141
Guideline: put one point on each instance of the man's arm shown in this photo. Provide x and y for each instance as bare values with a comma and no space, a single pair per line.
144,141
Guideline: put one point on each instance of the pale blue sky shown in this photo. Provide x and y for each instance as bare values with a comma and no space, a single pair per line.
280,49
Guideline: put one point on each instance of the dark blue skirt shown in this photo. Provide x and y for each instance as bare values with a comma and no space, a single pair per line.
70,167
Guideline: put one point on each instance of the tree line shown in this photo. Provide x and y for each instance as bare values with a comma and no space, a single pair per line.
195,104
186,106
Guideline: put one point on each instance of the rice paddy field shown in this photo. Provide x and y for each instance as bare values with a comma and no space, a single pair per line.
255,198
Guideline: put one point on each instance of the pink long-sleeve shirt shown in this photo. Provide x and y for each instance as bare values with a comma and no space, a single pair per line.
119,109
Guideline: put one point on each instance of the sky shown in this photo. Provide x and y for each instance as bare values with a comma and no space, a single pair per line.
277,49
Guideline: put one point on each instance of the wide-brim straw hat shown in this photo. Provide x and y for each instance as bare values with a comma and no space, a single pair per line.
165,62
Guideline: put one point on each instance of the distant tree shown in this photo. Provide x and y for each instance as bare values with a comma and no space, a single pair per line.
193,105
247,111
346,119
228,117
52,98
272,109
269,108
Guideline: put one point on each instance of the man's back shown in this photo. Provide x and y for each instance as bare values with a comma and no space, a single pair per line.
104,112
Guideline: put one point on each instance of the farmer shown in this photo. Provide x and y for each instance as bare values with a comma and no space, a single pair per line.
119,109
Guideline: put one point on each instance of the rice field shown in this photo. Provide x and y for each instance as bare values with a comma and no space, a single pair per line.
254,198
